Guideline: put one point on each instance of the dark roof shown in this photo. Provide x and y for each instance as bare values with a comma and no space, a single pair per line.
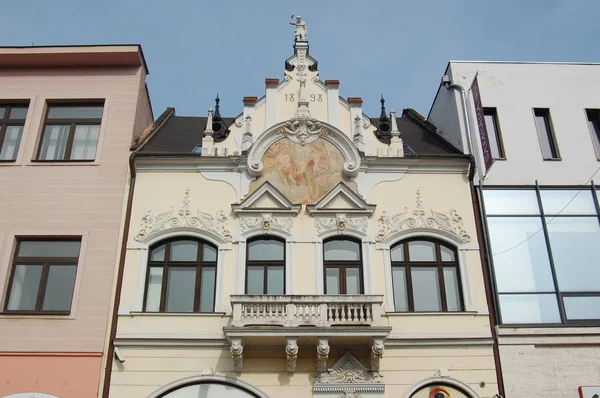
179,134
184,133
420,135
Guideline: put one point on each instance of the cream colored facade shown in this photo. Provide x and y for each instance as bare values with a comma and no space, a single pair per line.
264,342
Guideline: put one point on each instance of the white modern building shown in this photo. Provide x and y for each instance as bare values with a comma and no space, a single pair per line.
534,129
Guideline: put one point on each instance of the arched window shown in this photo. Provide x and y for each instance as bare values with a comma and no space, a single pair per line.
342,263
181,276
425,277
440,391
265,266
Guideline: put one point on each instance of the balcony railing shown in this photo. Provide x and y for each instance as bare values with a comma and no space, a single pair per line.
302,310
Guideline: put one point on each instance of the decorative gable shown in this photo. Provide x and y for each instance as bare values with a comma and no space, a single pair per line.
348,377
341,210
264,210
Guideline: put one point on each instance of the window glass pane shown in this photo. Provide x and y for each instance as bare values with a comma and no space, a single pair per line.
29,248
18,112
398,252
580,203
332,281
341,250
85,142
265,250
447,253
197,149
529,308
544,134
75,112
209,253
2,111
594,125
184,250
490,125
426,289
582,307
400,292
59,288
256,281
520,255
154,288
421,250
452,290
510,202
54,143
275,280
12,139
353,281
25,287
207,292
575,243
180,289
158,254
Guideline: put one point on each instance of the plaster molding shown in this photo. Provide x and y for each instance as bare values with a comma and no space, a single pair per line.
348,376
183,218
303,130
450,224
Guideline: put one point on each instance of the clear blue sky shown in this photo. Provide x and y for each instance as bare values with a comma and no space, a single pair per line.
400,48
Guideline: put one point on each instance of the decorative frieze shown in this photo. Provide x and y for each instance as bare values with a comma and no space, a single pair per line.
265,221
341,223
451,223
184,218
348,378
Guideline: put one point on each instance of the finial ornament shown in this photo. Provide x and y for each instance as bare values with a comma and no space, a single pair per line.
300,32
217,113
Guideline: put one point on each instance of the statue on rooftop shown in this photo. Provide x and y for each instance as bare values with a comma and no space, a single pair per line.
300,27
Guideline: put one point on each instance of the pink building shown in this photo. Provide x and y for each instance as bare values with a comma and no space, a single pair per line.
68,116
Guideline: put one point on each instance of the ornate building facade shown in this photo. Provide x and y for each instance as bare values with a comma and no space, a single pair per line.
301,249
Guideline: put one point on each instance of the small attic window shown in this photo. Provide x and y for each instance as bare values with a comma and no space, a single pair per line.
197,149
408,150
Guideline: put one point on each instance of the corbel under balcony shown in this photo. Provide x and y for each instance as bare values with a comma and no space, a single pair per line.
294,322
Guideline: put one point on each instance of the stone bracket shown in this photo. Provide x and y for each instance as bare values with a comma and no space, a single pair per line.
376,354
236,349
322,354
291,352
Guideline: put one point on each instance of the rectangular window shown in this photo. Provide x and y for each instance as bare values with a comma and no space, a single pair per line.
546,133
12,120
593,117
544,254
493,129
43,276
71,132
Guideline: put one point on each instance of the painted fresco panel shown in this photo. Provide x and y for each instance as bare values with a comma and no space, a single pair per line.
303,173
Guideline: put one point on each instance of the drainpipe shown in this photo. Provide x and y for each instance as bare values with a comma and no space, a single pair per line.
481,237
446,82
115,315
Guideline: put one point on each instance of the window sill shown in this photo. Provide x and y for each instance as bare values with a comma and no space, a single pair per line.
37,162
393,314
192,314
37,315
553,159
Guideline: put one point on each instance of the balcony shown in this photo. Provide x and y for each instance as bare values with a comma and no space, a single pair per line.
293,321
300,310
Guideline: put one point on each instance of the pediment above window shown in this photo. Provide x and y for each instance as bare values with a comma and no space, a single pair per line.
348,377
264,210
341,210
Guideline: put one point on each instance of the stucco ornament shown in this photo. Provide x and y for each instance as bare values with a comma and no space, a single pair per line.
347,374
376,354
291,352
266,222
322,354
302,128
451,223
184,218
341,223
236,349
